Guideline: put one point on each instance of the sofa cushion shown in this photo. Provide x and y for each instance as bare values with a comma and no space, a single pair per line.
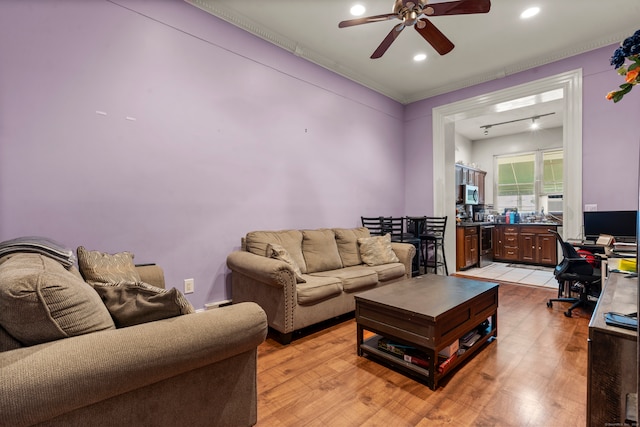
40,301
377,250
7,342
317,289
132,303
347,240
353,278
389,271
100,267
278,252
320,250
256,242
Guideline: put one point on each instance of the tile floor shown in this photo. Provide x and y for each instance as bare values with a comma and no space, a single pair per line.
525,274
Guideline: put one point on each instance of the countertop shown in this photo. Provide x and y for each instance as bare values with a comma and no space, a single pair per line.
478,223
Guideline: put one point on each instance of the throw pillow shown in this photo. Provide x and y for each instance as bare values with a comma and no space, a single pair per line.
377,250
100,267
278,252
132,303
40,301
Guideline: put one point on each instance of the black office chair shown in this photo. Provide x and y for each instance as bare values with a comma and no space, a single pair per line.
574,274
433,235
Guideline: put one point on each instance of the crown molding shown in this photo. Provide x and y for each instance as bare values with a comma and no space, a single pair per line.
292,46
303,52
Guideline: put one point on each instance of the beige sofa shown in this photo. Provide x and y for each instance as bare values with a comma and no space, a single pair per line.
195,369
333,266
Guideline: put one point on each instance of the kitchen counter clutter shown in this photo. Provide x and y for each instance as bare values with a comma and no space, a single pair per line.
520,224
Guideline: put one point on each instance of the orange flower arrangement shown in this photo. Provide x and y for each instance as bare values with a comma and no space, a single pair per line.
628,50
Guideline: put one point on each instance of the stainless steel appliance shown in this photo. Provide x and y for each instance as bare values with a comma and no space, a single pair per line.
471,195
486,245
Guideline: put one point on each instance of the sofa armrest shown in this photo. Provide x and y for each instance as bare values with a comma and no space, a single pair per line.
405,253
269,282
270,271
151,274
47,380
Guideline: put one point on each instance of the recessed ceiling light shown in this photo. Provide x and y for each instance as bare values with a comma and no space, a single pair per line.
420,57
531,12
357,10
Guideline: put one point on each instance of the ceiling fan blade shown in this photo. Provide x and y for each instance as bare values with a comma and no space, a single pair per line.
460,7
434,36
367,20
393,34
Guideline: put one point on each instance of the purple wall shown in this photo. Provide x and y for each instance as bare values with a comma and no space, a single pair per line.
231,134
610,133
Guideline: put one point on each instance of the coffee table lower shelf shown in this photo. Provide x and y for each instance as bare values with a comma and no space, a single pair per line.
430,376
370,346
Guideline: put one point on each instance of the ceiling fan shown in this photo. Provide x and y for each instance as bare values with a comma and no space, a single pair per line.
414,13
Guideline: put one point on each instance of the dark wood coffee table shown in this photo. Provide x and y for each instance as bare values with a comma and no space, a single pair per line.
428,313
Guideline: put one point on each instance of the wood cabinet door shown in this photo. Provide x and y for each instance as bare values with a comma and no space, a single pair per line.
465,176
497,242
474,250
547,249
528,247
458,175
481,185
460,245
470,250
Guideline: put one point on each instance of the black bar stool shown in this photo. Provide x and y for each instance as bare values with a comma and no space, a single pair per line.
433,234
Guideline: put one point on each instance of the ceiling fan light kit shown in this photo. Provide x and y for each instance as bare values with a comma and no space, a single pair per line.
413,13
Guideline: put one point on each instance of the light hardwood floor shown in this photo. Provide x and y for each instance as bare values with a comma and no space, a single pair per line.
534,374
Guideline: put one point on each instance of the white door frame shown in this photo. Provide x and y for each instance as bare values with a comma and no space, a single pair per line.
445,116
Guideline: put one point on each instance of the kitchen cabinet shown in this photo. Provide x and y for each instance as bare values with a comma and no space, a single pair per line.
498,236
466,247
538,246
509,242
466,175
525,243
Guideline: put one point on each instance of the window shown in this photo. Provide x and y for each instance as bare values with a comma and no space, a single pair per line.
552,172
522,179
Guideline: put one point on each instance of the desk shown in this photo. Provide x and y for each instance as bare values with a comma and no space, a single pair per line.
613,363
591,247
605,256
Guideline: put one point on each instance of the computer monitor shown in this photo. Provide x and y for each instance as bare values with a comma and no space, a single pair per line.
620,224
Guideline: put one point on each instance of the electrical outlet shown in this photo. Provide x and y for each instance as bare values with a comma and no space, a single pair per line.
189,286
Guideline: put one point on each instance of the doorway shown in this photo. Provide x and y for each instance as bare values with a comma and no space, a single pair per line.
444,119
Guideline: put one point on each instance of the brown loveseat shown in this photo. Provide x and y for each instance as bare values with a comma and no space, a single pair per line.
303,277
196,369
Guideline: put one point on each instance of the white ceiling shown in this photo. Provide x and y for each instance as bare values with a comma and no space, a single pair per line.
487,46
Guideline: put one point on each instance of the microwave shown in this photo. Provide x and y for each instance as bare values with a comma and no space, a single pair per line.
470,194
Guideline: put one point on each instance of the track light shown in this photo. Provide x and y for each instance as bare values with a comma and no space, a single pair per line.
534,124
